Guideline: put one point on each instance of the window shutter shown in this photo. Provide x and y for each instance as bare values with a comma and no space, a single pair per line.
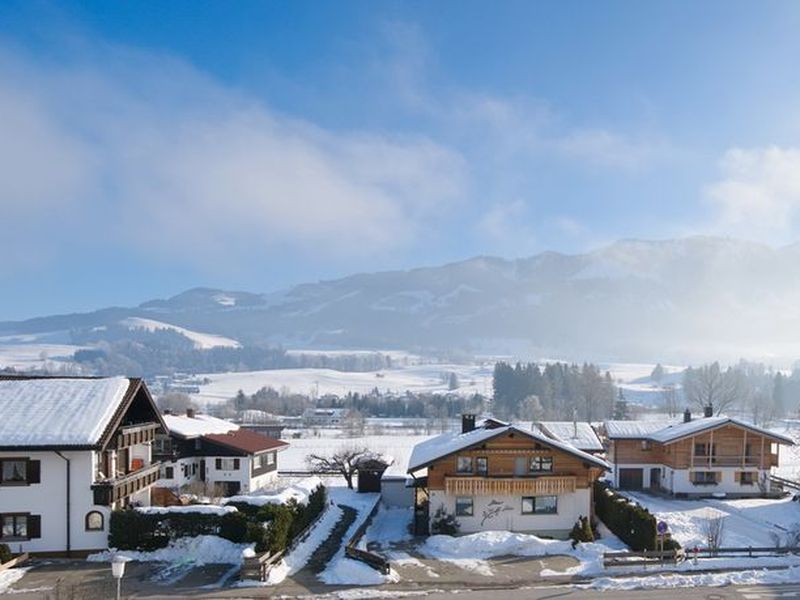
34,526
235,464
34,471
218,464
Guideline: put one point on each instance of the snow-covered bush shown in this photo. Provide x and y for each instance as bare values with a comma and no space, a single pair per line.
444,523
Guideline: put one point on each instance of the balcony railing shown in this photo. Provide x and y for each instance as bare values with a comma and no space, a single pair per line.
141,433
485,486
735,461
111,490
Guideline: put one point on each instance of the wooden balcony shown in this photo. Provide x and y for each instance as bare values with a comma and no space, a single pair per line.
136,434
752,462
111,490
545,485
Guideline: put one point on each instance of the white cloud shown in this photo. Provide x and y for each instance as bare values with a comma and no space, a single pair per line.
504,228
145,151
758,196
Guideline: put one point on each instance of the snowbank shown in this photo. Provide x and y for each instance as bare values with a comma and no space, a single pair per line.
206,509
489,544
667,581
11,576
299,491
195,551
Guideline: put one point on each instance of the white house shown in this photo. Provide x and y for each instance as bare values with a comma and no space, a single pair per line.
712,455
71,450
213,452
500,476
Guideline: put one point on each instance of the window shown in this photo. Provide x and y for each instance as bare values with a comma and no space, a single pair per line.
94,521
19,527
169,472
541,463
746,478
270,459
464,464
162,445
464,507
704,450
539,505
227,464
647,445
482,465
704,478
19,471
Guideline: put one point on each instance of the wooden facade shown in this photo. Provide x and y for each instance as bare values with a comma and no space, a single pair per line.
503,456
727,446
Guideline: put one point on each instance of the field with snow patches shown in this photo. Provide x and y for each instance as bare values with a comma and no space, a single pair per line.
416,378
202,341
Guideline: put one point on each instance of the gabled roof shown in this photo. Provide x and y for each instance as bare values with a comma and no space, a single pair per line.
667,432
61,412
192,427
634,430
246,441
579,434
446,444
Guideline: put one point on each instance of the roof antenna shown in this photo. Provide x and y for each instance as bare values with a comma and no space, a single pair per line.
574,422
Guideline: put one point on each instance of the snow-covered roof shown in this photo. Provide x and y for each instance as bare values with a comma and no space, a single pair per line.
681,430
580,434
633,430
198,425
665,432
58,411
445,444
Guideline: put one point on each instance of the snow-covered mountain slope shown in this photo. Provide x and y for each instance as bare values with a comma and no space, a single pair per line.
202,341
678,300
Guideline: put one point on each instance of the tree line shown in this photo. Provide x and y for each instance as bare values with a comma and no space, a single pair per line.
555,391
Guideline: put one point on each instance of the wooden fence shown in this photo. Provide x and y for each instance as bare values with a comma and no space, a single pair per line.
17,560
659,557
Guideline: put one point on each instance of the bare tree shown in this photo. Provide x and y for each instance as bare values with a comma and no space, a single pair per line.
714,529
343,462
669,396
176,402
709,385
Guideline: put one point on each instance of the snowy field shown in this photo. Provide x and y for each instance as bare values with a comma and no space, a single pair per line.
35,351
415,378
202,341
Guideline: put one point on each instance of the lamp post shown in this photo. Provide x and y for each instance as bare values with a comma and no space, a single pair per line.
118,570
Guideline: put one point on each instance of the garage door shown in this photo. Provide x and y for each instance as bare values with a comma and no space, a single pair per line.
630,479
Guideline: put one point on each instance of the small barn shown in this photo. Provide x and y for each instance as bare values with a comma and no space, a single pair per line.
370,471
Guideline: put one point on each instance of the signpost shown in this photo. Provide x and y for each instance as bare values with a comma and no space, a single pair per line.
662,529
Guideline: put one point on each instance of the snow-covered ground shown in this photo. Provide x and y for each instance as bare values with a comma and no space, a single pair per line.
346,571
415,378
37,350
11,576
748,522
202,341
299,490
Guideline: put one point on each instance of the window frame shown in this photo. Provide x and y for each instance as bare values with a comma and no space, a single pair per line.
532,500
14,518
102,521
705,480
14,482
482,470
541,460
461,503
169,472
461,471
751,478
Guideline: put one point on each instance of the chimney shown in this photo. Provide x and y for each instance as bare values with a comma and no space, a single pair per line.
190,413
687,416
708,410
467,422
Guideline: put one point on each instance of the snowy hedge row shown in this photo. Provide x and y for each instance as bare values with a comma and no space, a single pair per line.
630,522
270,527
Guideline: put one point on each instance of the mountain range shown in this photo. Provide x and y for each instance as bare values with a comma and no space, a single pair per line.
688,299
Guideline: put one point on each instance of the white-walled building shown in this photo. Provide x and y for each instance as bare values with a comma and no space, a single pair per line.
72,450
499,476
215,453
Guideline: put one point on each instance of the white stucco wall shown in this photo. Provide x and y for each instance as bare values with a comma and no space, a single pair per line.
505,513
48,499
681,482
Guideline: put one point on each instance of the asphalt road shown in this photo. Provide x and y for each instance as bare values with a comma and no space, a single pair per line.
766,592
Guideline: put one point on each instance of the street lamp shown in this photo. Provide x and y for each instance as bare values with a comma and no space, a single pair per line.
118,570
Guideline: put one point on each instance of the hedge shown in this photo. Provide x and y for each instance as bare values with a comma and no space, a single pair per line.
134,530
629,521
5,553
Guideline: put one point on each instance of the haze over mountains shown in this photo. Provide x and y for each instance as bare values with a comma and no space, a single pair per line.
683,300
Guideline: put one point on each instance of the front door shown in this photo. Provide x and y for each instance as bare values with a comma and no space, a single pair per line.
655,479
202,469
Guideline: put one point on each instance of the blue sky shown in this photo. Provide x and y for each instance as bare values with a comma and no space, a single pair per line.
146,148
